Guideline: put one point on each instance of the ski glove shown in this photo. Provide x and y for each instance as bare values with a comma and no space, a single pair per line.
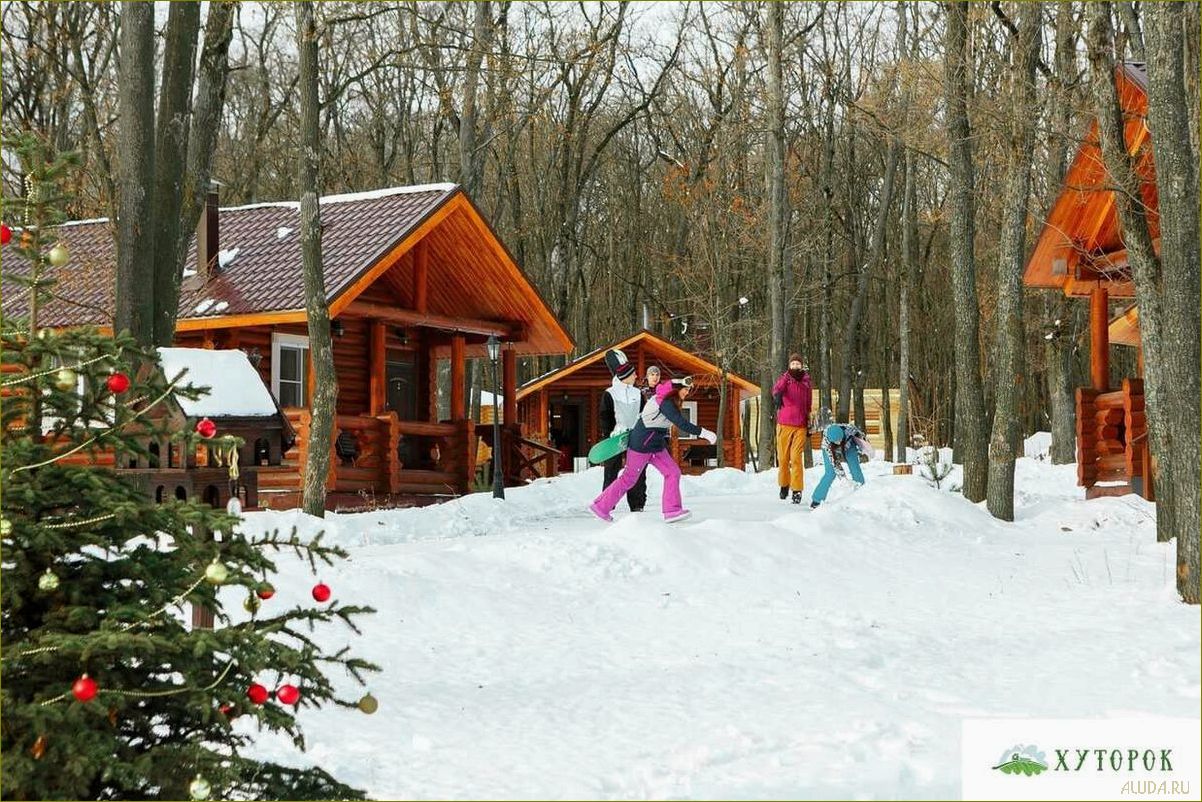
708,436
779,398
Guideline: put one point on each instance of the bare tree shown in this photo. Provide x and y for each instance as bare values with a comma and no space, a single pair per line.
1004,445
970,437
321,350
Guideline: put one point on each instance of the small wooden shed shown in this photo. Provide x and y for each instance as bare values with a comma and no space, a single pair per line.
562,407
1080,252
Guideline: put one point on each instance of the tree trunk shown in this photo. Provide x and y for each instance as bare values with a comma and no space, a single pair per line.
1135,35
170,151
202,144
1177,174
1060,348
909,271
1008,360
828,254
969,422
325,394
720,429
134,310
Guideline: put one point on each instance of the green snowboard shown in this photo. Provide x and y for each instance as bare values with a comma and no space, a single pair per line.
608,448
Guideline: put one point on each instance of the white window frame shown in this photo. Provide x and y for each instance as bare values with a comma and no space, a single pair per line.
287,341
689,405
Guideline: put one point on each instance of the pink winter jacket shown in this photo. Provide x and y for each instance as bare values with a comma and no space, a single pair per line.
794,399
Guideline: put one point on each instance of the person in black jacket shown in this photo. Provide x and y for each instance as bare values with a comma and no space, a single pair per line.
620,406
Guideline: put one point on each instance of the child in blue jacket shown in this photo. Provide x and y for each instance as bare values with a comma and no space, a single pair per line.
841,443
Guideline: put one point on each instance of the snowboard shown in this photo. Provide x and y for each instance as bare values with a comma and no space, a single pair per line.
608,448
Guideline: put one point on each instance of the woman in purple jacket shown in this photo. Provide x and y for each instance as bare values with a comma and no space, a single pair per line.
792,394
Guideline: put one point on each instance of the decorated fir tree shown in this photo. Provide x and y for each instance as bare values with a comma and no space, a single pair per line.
107,691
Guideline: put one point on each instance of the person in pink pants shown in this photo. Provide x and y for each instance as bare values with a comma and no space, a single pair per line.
648,445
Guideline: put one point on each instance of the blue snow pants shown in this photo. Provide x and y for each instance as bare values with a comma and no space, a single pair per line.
852,463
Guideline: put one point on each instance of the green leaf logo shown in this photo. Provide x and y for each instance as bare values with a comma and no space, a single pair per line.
1021,764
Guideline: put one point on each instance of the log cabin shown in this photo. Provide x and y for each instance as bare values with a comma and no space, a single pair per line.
414,275
563,405
1080,252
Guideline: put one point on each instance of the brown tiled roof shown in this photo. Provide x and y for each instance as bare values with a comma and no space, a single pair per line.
264,274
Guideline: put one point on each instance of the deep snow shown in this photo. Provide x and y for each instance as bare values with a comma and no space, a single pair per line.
757,650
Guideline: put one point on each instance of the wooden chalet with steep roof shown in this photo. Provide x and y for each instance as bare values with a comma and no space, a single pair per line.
413,275
1080,252
564,404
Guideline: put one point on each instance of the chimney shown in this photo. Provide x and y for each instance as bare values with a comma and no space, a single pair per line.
207,243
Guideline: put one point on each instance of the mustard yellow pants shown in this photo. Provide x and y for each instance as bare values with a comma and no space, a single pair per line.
790,451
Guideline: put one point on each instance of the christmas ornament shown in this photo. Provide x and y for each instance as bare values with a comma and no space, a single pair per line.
369,704
252,604
6,234
58,255
39,747
48,581
287,694
26,239
65,379
118,383
84,689
234,507
228,711
199,788
265,590
206,428
216,573
6,527
256,693
321,592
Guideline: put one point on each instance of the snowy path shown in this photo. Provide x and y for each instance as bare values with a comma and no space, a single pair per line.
758,650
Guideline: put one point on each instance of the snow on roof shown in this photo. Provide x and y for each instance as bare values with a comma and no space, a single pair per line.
349,196
235,386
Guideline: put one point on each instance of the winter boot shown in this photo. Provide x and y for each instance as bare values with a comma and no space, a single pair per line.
677,516
813,505
784,492
796,496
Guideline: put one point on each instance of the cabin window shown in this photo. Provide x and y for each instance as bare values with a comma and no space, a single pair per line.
290,369
181,493
689,410
212,496
154,455
262,452
158,494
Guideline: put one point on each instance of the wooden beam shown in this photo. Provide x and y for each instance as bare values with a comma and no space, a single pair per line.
230,321
1099,339
509,385
413,317
421,276
377,371
458,373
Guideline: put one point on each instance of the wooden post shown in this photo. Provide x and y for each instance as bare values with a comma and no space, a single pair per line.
310,379
543,426
1099,339
642,362
509,385
458,371
421,269
377,372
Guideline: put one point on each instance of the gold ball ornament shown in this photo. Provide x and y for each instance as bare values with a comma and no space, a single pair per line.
6,527
216,573
58,255
65,379
369,704
199,788
252,604
48,581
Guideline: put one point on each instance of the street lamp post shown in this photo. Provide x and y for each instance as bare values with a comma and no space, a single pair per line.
498,483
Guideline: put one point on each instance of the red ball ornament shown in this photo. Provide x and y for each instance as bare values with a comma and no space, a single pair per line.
256,693
6,234
321,592
84,689
118,383
287,694
228,711
206,428
265,591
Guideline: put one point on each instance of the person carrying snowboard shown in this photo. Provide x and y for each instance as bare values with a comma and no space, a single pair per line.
620,406
649,445
841,443
792,393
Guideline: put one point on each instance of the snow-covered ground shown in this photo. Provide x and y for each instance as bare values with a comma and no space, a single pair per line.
757,650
